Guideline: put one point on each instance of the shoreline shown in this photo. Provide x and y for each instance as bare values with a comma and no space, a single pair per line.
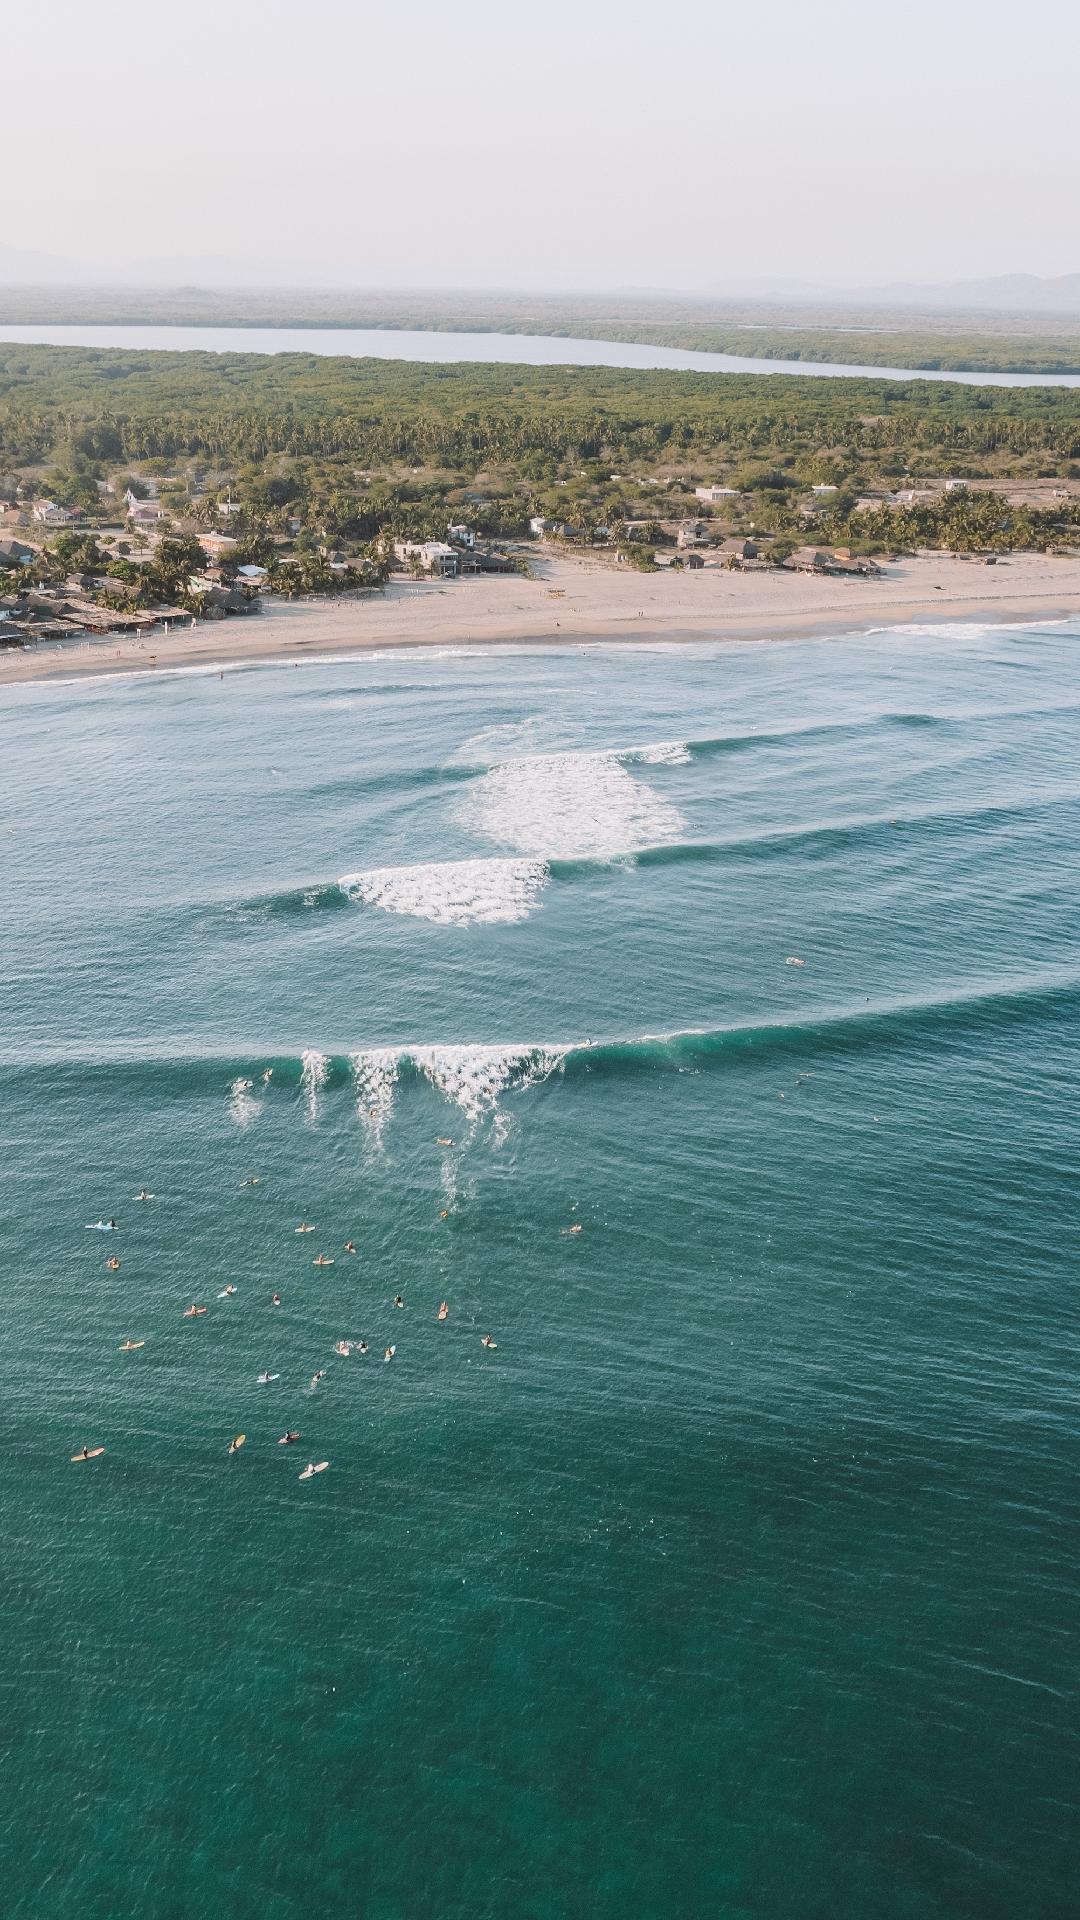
579,600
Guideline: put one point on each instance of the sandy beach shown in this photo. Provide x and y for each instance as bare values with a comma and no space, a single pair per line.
575,598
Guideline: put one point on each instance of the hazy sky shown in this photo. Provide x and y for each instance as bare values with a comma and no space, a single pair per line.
569,144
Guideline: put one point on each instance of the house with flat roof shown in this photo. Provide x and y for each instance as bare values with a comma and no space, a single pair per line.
434,556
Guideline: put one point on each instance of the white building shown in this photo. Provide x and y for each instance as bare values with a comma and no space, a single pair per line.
713,494
434,556
462,536
48,514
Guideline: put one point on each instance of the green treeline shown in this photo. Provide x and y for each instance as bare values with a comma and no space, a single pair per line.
118,405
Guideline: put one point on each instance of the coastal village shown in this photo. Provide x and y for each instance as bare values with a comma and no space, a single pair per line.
153,551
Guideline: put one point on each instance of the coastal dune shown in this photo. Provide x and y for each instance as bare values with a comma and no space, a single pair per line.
577,598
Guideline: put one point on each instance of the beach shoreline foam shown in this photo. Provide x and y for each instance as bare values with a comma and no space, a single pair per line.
579,600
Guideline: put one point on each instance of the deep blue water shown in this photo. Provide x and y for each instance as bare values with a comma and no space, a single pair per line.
739,1578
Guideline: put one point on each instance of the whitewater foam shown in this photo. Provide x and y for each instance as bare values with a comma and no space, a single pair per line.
375,1077
471,1077
568,806
459,893
474,1077
660,753
314,1068
243,1108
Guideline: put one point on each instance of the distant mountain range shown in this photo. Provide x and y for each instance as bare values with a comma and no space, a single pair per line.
1001,293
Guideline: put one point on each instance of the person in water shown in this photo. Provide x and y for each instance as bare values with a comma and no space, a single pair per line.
398,1301
361,1346
443,1309
287,1439
275,1299
487,1341
112,1264
350,1246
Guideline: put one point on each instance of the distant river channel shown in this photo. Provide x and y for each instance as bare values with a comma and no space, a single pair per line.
512,349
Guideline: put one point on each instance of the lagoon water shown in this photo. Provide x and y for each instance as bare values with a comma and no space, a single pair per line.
739,1579
513,349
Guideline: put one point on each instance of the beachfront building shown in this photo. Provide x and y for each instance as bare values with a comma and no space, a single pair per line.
433,556
692,533
48,514
842,560
734,552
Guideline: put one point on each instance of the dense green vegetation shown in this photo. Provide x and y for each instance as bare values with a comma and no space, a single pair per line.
112,405
327,454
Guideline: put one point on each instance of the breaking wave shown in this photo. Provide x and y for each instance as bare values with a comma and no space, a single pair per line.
456,893
488,890
476,1078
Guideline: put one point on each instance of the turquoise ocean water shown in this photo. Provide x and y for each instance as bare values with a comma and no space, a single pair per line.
739,1578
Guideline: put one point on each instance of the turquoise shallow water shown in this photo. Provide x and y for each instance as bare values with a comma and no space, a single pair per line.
740,1578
